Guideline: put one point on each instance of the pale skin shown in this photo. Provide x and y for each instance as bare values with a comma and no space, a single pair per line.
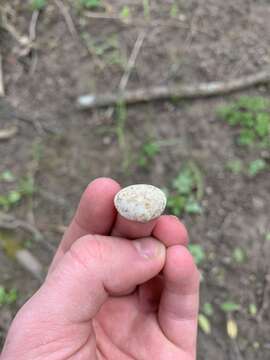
116,290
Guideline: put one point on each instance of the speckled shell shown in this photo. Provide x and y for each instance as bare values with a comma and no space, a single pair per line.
140,202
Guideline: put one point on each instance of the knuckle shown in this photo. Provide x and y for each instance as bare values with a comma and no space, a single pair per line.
89,249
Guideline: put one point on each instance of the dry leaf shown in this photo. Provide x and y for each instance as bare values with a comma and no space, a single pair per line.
232,329
204,324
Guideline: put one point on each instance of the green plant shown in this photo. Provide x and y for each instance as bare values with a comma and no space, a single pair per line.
187,191
148,152
27,186
106,49
174,11
91,4
229,307
235,166
125,13
121,117
239,255
10,199
38,4
13,197
252,117
146,8
208,309
252,308
8,297
7,176
256,166
197,252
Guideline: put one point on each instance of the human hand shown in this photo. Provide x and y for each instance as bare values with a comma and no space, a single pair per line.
107,297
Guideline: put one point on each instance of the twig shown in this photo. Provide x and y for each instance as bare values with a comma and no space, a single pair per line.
30,263
174,91
24,41
265,298
9,222
2,87
141,23
130,65
66,15
33,26
132,60
236,353
9,112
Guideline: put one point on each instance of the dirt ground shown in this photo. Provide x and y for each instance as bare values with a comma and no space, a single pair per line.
202,40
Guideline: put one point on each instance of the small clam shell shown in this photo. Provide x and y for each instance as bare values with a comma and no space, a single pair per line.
140,202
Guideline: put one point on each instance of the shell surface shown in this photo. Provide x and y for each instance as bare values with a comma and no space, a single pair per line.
140,202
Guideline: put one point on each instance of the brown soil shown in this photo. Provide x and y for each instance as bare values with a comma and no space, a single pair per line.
210,40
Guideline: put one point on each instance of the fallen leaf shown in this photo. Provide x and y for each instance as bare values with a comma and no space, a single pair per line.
204,324
232,329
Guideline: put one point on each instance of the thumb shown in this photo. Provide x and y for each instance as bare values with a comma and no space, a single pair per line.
96,267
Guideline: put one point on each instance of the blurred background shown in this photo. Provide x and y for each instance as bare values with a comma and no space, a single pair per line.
210,154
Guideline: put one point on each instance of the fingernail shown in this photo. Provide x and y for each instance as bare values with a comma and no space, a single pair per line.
149,248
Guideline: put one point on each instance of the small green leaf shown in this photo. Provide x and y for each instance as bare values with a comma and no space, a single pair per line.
7,176
262,126
151,149
27,186
38,4
125,12
14,196
267,236
184,182
239,255
197,252
256,167
204,324
176,204
208,309
146,8
2,295
229,307
11,296
193,207
91,4
7,297
235,166
174,11
246,137
252,309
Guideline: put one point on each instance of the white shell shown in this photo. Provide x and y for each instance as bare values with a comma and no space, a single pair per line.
140,202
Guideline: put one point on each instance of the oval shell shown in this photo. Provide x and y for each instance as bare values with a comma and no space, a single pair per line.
140,202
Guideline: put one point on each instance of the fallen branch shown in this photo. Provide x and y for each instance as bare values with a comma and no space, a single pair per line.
173,91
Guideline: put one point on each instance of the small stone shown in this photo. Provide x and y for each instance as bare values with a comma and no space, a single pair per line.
140,202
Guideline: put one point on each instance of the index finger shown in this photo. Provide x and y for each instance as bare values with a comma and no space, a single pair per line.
95,214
